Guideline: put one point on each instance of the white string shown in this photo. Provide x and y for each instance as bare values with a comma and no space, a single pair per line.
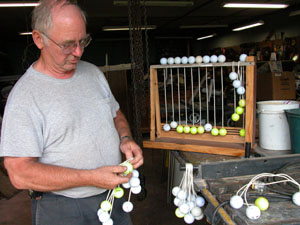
242,96
192,85
173,118
178,90
207,110
214,83
165,90
199,89
185,96
222,96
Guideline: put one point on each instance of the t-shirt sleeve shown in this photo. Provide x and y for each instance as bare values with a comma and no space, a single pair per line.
21,133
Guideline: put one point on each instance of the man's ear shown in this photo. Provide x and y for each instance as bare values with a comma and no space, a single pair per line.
38,39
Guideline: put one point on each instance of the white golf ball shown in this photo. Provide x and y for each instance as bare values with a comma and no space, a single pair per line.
196,211
191,204
176,201
108,222
206,59
236,202
221,58
100,211
208,127
296,198
134,182
184,208
233,75
181,194
136,190
170,60
175,190
126,185
135,173
104,217
214,58
163,61
177,60
127,207
243,57
173,124
167,127
189,219
240,90
184,60
199,59
236,83
200,201
199,217
253,212
191,60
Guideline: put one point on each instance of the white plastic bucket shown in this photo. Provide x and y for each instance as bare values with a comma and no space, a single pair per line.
273,126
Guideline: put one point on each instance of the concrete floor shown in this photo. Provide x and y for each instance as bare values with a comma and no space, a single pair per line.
153,210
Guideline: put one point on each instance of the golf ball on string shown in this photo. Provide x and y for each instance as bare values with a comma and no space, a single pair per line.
129,168
184,208
199,217
200,201
188,218
103,217
214,58
167,127
296,198
222,131
163,61
181,194
221,58
243,57
253,212
194,130
191,60
177,60
118,192
242,102
242,132
179,129
105,206
191,204
108,222
99,212
236,83
170,60
175,190
178,213
262,203
208,127
235,117
240,90
176,201
206,59
215,131
236,202
135,173
239,110
196,211
126,185
199,59
173,124
201,129
184,60
134,182
136,190
233,75
186,129
127,206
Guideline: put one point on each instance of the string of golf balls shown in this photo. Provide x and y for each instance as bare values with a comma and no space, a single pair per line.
238,82
106,206
186,199
253,211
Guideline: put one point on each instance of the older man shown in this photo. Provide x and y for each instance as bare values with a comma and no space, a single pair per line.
63,132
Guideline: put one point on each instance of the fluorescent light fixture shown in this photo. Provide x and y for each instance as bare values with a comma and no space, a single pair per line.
19,4
255,5
259,23
205,37
295,13
203,26
158,3
122,28
25,33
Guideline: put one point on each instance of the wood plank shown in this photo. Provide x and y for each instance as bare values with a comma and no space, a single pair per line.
152,103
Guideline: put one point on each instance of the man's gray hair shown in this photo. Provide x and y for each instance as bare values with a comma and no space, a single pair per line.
42,15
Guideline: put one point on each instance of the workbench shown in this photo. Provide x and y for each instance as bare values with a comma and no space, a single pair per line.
218,178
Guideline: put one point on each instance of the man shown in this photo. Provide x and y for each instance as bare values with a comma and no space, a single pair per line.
63,132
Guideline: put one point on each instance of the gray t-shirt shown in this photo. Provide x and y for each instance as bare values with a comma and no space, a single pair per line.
63,122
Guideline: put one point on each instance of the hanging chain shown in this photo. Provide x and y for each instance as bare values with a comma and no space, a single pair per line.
137,66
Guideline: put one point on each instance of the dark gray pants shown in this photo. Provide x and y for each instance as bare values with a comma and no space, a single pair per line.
59,210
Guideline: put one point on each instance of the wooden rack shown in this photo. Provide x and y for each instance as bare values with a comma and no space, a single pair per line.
231,144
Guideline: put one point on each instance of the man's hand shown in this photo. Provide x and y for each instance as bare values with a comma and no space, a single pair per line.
132,150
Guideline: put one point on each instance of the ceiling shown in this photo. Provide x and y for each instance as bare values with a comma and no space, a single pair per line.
168,19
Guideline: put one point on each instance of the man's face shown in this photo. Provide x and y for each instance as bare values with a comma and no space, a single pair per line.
68,27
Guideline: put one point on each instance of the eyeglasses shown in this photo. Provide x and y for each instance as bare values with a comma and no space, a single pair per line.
68,48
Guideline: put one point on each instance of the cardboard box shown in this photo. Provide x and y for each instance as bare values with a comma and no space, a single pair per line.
276,86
